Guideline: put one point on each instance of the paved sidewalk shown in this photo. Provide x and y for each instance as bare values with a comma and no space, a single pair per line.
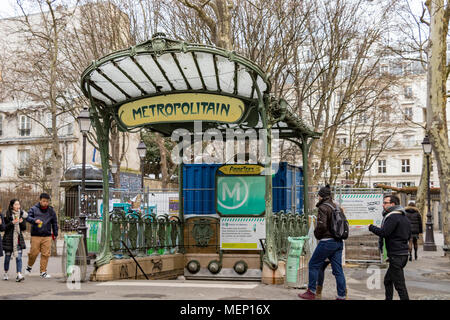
426,278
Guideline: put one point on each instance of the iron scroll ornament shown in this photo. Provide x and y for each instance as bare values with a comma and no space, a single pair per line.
202,232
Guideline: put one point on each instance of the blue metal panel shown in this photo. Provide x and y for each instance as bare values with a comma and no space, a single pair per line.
199,188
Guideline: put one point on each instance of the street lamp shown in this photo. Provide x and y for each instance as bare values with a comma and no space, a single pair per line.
347,165
429,244
142,151
114,168
84,122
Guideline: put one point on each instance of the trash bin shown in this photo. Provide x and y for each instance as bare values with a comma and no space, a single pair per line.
93,235
297,263
74,258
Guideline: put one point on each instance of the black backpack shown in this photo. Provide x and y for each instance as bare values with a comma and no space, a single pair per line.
339,224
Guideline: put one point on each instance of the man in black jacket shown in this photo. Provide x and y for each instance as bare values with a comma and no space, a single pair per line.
43,220
396,231
327,248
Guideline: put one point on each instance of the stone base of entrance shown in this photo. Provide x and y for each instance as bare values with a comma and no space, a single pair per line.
252,261
277,276
162,267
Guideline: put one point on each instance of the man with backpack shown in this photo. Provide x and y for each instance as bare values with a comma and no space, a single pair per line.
396,231
331,230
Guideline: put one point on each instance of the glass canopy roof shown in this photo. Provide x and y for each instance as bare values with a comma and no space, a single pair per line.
144,71
163,66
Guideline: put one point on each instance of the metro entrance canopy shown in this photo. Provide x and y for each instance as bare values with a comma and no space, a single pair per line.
163,85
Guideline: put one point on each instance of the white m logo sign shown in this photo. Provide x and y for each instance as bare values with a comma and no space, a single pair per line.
226,190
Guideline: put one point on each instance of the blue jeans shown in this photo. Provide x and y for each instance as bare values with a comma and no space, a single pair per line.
18,260
321,274
332,250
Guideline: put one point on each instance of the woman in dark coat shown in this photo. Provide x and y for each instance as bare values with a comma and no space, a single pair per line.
416,227
2,228
13,241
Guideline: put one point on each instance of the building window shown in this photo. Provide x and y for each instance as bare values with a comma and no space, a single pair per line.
341,142
381,166
24,162
24,126
359,165
315,167
408,141
0,163
362,117
1,125
408,92
48,123
408,113
48,162
362,143
385,115
405,184
406,166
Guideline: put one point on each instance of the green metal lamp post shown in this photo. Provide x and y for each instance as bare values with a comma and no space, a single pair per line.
142,151
429,244
84,122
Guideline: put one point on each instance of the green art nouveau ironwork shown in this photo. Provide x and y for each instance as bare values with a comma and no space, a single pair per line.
202,232
164,85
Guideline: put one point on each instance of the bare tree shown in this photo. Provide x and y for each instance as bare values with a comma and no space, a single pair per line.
35,75
439,70
103,27
423,38
37,171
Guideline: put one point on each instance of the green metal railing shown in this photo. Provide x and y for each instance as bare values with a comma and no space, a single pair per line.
285,225
143,235
148,234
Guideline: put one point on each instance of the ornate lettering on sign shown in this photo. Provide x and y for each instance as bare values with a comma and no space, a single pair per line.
242,169
182,107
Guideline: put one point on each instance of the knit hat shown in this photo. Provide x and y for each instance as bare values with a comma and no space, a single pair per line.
325,191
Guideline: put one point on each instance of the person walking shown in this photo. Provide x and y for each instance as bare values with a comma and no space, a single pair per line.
415,218
2,228
43,220
328,247
396,231
13,241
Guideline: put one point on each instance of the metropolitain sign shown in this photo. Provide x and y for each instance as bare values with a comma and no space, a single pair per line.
182,107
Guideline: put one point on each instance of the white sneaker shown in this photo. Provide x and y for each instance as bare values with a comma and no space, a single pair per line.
44,275
20,277
5,276
28,270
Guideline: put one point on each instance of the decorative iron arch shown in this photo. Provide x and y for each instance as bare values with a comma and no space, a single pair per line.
126,84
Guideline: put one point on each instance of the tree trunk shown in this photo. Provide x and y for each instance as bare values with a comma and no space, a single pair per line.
437,122
421,196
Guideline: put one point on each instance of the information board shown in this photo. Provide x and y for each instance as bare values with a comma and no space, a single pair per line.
242,233
363,209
